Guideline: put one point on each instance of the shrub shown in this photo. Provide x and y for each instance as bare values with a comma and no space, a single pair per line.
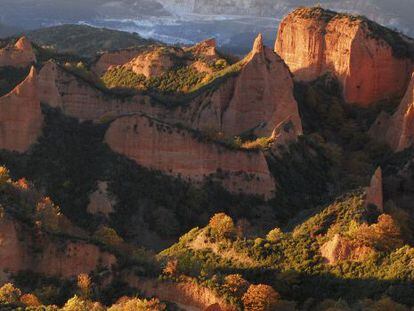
236,284
84,284
222,226
260,298
30,300
9,293
136,304
4,175
108,236
274,235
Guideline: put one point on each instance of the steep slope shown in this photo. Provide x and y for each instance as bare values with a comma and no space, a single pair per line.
36,236
20,116
80,98
180,152
19,55
397,130
255,97
373,63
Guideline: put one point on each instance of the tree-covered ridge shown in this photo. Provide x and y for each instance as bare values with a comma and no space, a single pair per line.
292,261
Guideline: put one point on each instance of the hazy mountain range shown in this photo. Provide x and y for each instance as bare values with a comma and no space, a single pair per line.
233,22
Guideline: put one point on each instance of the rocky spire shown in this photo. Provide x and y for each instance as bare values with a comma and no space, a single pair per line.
23,44
258,45
375,192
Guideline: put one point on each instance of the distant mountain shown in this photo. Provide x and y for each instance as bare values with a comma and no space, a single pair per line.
390,13
84,40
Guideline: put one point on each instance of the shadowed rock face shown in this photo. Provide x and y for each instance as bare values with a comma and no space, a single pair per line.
375,191
20,55
21,117
398,130
179,152
314,41
55,259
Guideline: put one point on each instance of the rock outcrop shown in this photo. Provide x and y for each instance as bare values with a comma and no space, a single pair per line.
153,63
113,59
180,152
259,96
23,250
21,117
206,48
19,55
187,294
372,63
340,248
284,134
99,201
398,130
374,193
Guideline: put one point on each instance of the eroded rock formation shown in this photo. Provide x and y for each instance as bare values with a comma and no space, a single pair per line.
340,248
186,294
398,130
19,55
372,63
113,59
99,201
18,252
79,98
255,99
375,191
153,63
21,117
179,152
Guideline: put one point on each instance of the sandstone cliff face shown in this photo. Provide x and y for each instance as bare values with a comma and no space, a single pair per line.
77,98
17,253
284,134
179,152
314,41
189,295
21,117
375,191
397,130
257,99
20,55
112,59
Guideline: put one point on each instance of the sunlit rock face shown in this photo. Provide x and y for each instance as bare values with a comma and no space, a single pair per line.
340,249
255,99
19,55
397,130
53,258
180,152
21,118
371,62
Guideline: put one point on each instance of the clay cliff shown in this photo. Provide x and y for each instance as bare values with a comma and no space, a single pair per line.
79,98
21,117
19,55
256,98
22,250
179,152
397,130
372,63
